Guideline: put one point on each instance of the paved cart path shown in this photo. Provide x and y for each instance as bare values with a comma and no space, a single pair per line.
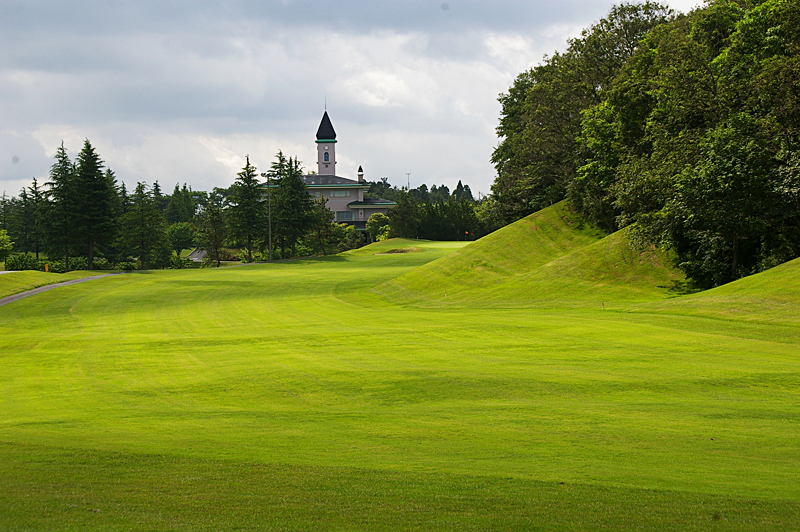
28,293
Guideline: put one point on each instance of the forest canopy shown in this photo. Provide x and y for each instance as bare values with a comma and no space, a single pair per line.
684,127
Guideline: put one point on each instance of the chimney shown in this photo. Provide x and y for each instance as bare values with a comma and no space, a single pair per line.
360,175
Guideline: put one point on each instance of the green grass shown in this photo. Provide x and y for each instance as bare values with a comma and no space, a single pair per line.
771,297
15,282
298,396
551,259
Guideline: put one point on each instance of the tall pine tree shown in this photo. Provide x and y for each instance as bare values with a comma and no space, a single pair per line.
60,208
247,213
292,206
96,198
142,226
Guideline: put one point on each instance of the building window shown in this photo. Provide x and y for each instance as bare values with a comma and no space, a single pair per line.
318,193
340,193
326,157
344,216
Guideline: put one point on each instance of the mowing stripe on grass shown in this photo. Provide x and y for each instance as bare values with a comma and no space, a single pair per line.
33,292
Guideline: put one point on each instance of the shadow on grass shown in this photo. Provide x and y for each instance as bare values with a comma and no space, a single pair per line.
682,287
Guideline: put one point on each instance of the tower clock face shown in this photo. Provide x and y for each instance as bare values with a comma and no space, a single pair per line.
326,147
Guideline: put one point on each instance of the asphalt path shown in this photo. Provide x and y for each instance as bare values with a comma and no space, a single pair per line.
21,295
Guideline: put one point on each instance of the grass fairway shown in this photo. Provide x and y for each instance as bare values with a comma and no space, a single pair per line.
303,396
15,282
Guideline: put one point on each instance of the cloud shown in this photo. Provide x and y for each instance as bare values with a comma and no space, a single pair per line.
181,91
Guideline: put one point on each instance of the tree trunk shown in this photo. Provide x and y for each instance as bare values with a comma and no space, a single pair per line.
319,237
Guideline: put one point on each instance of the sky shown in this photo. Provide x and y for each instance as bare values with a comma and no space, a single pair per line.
182,91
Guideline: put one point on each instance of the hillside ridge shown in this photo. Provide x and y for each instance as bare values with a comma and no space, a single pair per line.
550,258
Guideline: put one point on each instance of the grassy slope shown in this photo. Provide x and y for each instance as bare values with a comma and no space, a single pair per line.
770,297
291,396
549,259
15,282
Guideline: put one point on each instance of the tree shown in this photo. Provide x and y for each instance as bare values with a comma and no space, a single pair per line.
321,224
537,156
59,218
181,205
95,203
213,231
375,224
291,203
5,209
403,216
143,227
24,221
180,236
247,211
37,199
6,245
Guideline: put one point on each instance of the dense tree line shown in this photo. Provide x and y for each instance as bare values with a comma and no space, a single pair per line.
83,218
685,127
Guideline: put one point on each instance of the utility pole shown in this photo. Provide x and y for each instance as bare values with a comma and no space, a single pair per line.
408,184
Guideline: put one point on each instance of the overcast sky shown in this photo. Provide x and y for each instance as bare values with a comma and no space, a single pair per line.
180,92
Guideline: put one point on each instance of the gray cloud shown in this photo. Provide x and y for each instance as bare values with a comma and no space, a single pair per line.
181,91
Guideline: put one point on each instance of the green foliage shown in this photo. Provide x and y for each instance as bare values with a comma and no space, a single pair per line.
143,230
403,217
177,262
375,225
321,235
247,212
688,134
292,207
181,205
126,266
21,261
450,220
351,239
537,157
6,245
212,231
59,217
384,233
95,196
180,236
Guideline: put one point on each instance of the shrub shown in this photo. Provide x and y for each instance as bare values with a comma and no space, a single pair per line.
78,263
179,263
20,262
102,264
53,266
126,266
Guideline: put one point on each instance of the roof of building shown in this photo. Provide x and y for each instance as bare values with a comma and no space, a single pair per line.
325,131
327,180
371,202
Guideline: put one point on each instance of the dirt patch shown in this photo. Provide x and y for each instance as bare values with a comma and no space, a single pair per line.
400,250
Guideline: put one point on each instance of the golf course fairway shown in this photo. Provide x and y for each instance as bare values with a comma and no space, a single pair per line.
369,391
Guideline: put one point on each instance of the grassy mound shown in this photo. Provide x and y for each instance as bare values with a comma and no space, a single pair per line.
772,296
549,259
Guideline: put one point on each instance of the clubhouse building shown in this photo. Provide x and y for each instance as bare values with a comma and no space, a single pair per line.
345,196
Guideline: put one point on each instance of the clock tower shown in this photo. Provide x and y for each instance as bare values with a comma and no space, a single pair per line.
326,147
